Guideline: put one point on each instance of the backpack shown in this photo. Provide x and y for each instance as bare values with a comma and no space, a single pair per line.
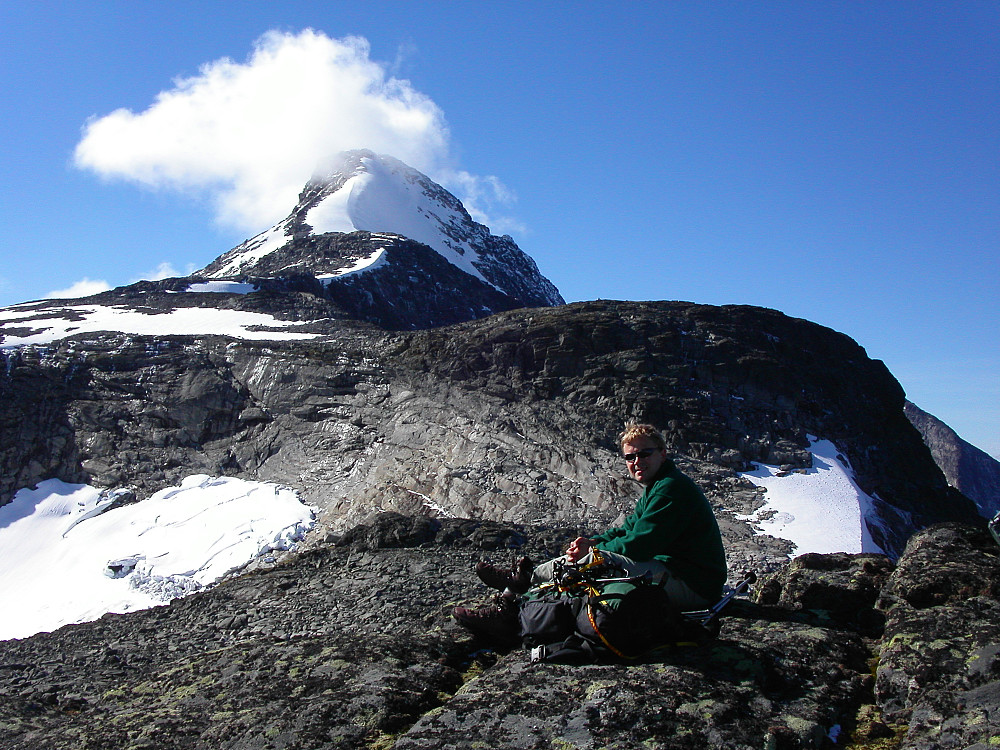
582,618
624,620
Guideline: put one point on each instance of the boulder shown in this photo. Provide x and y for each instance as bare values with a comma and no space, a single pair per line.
938,666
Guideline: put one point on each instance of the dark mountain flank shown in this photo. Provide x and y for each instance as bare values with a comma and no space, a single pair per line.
971,470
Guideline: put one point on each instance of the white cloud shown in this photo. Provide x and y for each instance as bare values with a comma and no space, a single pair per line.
484,197
83,288
163,271
404,54
252,133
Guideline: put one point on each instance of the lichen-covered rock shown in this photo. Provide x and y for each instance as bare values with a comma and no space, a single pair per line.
944,564
352,646
938,669
844,587
338,648
763,683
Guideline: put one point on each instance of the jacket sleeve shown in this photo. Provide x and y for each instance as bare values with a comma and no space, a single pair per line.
614,533
658,520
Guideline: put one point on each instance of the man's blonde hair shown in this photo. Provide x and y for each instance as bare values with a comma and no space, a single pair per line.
635,431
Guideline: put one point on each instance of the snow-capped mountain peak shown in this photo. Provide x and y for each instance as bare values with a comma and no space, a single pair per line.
370,193
360,191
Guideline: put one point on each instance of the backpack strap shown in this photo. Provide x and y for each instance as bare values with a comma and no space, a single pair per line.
593,624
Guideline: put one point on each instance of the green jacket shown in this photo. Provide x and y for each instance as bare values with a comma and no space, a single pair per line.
673,523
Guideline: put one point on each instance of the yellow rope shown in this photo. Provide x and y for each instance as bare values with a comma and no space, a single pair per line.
605,641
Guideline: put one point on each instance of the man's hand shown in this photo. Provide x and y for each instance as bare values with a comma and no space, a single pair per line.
578,549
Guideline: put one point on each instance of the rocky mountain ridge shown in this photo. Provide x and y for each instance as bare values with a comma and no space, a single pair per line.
508,418
973,471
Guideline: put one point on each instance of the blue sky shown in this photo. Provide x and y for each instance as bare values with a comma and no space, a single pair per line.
837,161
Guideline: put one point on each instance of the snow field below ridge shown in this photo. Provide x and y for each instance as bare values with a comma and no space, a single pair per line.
820,509
68,557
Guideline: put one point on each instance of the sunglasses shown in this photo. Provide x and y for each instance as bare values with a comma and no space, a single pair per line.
632,457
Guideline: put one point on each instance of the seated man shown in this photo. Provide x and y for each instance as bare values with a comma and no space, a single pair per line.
671,536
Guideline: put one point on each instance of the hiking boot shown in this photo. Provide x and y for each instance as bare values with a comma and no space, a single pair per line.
497,622
517,577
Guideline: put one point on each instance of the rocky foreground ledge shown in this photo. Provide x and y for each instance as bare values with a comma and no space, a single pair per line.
350,645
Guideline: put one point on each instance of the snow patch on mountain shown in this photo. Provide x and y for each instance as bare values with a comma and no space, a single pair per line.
367,263
70,556
254,249
334,213
44,324
820,509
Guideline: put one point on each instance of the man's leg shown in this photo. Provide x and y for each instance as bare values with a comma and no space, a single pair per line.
545,573
682,596
497,622
679,592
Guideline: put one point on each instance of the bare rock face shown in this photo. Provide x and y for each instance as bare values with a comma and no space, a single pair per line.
728,385
350,645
